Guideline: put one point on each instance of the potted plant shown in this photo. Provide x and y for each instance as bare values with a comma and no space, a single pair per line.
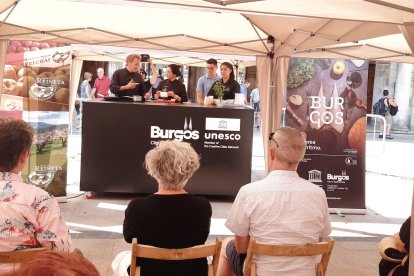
219,90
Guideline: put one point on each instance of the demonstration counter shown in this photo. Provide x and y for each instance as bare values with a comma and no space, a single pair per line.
117,135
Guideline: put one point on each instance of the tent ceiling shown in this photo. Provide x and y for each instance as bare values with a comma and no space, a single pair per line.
118,54
238,28
387,48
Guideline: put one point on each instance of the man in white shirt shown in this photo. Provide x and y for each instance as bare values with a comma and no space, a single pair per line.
280,209
205,82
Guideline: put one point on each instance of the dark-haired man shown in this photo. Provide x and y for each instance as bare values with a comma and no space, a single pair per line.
205,82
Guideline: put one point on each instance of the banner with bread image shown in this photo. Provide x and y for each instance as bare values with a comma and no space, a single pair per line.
36,77
36,83
326,99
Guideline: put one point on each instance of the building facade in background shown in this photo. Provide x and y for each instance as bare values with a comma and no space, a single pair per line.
398,78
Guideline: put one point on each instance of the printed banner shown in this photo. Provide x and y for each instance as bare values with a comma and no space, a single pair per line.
36,84
326,99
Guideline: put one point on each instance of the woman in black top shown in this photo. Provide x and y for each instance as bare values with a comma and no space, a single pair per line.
175,89
170,218
228,81
402,242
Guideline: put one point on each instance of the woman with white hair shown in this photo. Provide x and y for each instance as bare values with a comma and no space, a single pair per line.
170,218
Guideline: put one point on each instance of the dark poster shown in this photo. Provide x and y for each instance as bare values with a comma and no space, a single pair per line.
326,99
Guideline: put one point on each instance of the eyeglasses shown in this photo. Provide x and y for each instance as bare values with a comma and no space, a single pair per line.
272,139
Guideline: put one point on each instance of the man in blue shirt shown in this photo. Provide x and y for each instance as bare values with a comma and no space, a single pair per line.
243,88
205,82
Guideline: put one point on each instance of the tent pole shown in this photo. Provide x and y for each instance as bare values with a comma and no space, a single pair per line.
411,257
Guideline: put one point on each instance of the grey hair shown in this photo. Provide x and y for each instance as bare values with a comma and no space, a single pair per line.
172,163
87,75
292,145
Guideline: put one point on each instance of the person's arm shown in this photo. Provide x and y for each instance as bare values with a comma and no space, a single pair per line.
181,95
392,102
95,86
236,88
238,221
404,235
154,72
241,244
51,229
211,91
131,222
200,90
141,88
116,88
88,92
327,228
93,92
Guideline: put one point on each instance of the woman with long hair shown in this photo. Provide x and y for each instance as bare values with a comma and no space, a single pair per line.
228,82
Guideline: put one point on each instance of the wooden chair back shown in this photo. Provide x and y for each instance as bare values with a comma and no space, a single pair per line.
321,248
19,256
166,254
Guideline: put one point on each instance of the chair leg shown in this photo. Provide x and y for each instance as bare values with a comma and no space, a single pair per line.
253,271
210,270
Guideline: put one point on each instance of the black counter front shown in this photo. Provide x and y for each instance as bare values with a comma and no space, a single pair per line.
117,135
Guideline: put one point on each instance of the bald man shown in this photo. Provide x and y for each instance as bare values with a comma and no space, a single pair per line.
280,209
101,86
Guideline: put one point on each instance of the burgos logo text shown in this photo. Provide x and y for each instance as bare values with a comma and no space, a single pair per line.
185,134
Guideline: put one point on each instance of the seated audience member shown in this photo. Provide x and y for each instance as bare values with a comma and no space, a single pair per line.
280,209
29,216
175,89
402,244
228,82
170,218
50,263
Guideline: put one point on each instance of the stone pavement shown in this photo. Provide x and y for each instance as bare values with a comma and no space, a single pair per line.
96,224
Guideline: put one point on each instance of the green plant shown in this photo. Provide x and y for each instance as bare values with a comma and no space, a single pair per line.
219,89
300,71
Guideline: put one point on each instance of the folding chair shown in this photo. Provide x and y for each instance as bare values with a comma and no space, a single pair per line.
19,256
196,252
314,249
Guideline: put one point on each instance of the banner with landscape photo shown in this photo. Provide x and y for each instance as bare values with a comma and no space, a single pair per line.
47,163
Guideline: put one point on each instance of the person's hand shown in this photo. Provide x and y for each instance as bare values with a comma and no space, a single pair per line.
171,94
157,95
147,96
131,85
399,244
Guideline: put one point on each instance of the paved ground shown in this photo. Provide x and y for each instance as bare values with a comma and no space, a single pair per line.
96,224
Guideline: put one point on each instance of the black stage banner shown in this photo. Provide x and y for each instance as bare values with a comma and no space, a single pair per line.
116,137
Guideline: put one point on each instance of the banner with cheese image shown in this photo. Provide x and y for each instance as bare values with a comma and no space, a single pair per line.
326,99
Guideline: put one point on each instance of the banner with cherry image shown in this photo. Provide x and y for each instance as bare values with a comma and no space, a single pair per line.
326,100
36,83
